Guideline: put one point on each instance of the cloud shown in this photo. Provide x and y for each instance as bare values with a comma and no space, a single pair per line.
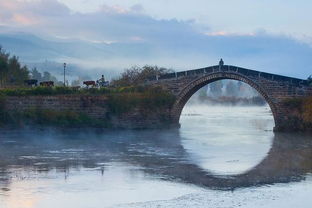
109,23
23,20
25,13
117,37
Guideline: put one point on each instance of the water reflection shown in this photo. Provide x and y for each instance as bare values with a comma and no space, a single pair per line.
25,156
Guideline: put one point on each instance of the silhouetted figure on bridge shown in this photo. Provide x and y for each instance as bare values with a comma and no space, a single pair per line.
221,63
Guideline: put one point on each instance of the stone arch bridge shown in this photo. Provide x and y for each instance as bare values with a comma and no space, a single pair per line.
274,88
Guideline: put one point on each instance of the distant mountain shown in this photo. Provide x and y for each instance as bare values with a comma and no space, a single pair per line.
49,55
31,48
274,54
74,71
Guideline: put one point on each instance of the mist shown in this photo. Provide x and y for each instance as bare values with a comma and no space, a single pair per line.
227,93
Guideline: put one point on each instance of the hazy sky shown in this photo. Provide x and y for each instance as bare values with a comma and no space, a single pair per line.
286,17
268,35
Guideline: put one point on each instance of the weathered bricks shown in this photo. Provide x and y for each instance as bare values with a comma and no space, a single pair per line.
94,106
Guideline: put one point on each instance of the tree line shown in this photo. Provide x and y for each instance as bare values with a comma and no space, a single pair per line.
13,73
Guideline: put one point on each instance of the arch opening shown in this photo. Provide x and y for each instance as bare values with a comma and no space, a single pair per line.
185,95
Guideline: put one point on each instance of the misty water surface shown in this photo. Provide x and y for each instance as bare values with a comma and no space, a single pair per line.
221,157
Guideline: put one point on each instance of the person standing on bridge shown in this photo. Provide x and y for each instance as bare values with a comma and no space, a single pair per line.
221,63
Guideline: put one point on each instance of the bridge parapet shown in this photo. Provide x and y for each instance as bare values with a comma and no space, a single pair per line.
233,69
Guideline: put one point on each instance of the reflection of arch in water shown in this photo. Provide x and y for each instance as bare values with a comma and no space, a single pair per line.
195,85
288,160
162,154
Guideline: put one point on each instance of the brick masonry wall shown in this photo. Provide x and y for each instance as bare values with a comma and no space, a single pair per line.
94,106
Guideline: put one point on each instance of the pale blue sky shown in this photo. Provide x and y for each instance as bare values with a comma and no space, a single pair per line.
266,35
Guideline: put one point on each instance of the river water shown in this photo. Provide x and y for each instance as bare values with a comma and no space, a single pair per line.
220,157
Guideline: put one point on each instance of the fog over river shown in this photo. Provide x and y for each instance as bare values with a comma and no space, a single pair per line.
220,157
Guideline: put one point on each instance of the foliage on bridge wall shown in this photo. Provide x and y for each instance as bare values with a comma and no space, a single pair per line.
307,110
298,113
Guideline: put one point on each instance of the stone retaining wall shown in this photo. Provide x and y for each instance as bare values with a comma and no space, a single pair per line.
93,106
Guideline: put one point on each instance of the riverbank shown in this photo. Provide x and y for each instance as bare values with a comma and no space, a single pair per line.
128,107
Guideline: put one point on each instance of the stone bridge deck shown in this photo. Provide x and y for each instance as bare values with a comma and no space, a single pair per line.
234,69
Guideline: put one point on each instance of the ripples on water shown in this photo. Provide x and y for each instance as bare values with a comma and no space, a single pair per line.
221,157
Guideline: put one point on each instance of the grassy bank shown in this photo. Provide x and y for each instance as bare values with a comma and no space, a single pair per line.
120,101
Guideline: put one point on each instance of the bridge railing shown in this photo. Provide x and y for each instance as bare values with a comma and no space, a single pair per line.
234,69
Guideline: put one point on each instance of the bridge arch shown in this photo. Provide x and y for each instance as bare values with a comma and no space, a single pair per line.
195,85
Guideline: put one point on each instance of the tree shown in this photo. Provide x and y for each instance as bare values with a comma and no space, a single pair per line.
76,82
11,71
216,88
231,89
310,80
35,74
202,92
4,59
138,75
47,76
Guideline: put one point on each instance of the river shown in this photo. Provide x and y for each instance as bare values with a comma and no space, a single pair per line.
220,157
